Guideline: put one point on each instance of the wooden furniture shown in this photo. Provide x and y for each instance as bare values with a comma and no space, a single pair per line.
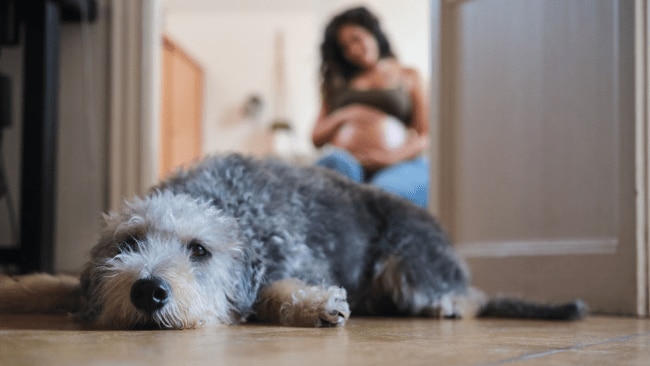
182,103
541,153
41,20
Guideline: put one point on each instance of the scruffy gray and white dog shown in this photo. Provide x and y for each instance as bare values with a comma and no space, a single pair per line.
236,238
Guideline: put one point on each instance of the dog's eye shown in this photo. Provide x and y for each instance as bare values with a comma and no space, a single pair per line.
129,244
197,250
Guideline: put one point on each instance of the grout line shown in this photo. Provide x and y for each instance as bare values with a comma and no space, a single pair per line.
531,356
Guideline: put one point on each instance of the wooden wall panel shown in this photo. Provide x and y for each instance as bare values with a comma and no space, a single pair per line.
182,84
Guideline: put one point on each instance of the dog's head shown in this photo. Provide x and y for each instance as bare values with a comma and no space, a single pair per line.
165,261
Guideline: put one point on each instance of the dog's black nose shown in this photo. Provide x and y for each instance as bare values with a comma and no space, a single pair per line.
150,294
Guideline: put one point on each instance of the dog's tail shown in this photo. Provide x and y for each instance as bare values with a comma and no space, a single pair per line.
521,309
39,293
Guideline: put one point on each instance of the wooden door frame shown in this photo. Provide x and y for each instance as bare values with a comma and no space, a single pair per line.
136,33
642,117
442,109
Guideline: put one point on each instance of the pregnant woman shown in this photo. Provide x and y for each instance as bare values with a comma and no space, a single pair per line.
373,114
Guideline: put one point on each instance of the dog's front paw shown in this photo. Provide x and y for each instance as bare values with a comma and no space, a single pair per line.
315,306
335,310
294,303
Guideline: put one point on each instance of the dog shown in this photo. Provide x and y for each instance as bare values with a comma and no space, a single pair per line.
237,238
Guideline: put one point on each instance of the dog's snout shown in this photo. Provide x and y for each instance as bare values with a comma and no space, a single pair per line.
150,294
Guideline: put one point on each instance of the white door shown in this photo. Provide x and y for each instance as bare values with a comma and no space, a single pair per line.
534,111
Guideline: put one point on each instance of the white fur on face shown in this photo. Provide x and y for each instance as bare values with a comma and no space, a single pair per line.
163,225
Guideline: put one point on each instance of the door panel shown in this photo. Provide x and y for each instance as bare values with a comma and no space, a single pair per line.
537,139
182,102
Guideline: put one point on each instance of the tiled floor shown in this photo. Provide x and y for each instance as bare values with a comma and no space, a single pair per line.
56,340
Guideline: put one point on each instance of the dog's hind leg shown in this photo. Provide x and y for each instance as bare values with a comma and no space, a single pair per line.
413,287
292,302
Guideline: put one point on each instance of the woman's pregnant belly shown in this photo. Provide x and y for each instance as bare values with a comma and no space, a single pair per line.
384,133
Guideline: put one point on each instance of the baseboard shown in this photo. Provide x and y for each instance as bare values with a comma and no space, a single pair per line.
528,248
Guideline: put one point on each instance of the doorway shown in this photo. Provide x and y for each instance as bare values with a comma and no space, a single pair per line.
540,148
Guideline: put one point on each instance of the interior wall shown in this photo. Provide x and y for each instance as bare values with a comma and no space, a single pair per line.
82,182
81,161
12,66
236,52
236,48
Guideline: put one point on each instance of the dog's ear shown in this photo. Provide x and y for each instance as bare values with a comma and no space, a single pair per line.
110,217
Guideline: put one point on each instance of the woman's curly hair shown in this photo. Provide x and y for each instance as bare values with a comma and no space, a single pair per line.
335,70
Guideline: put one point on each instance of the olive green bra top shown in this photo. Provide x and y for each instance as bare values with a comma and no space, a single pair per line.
394,101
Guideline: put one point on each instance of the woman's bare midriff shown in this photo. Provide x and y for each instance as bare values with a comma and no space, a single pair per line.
376,132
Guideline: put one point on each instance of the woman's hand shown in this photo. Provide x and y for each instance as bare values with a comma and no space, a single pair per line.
328,124
360,130
374,157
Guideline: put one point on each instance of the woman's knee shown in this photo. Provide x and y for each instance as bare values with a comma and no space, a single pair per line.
410,181
343,162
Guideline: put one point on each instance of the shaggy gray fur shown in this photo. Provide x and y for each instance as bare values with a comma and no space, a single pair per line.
224,232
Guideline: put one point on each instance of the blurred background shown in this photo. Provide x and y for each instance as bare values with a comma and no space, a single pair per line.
145,87
538,123
270,50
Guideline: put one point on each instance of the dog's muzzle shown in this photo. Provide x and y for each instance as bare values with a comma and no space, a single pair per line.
150,294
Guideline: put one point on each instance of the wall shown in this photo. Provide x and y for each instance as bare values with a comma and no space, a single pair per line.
11,65
236,48
236,52
81,161
83,119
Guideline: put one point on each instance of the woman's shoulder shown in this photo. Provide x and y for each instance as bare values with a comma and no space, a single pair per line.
409,72
410,76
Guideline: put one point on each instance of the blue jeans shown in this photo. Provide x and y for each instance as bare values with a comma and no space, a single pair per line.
407,179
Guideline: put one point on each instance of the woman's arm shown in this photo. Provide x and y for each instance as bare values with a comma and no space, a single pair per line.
325,128
328,125
418,139
419,125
